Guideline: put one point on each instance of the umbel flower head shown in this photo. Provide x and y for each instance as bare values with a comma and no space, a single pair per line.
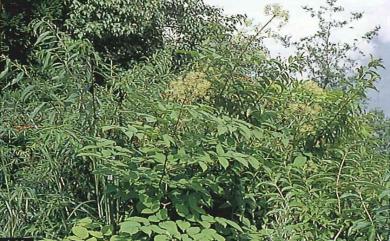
305,109
277,11
312,87
189,88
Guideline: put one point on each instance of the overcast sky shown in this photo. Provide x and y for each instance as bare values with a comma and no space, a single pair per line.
376,12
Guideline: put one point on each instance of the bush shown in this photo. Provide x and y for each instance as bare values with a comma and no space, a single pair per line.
231,146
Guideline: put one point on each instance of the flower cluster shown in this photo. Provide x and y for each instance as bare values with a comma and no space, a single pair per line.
189,88
305,109
277,11
310,112
312,87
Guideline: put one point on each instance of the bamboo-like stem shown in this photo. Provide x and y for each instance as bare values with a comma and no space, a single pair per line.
368,214
338,183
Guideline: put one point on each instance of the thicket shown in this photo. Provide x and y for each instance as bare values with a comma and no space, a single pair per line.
159,120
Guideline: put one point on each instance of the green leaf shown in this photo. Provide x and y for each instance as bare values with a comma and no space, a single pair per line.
254,162
208,218
160,157
203,166
149,210
300,161
205,224
129,227
80,232
138,220
85,221
96,234
161,238
221,221
157,229
258,134
218,237
116,238
222,129
233,224
372,234
220,150
241,160
182,210
5,71
193,201
245,131
224,162
193,230
36,110
75,238
147,230
162,214
285,142
107,230
185,237
183,225
170,226
168,140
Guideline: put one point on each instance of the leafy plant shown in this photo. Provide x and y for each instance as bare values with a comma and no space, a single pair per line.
230,146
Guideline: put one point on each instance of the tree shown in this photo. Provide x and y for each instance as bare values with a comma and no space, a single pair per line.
122,31
330,62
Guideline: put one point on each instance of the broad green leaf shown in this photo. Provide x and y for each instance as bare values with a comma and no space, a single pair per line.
129,227
157,229
161,238
149,211
183,225
96,234
80,232
300,161
193,230
138,220
160,157
170,226
147,230
75,238
84,221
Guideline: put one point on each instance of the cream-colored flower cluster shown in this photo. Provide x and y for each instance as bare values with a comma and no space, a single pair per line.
189,88
277,11
310,112
312,87
305,109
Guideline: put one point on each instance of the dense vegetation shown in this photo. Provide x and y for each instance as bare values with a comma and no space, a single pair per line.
160,120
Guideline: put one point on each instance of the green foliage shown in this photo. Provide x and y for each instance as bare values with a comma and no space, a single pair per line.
232,146
16,41
127,30
122,31
329,61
